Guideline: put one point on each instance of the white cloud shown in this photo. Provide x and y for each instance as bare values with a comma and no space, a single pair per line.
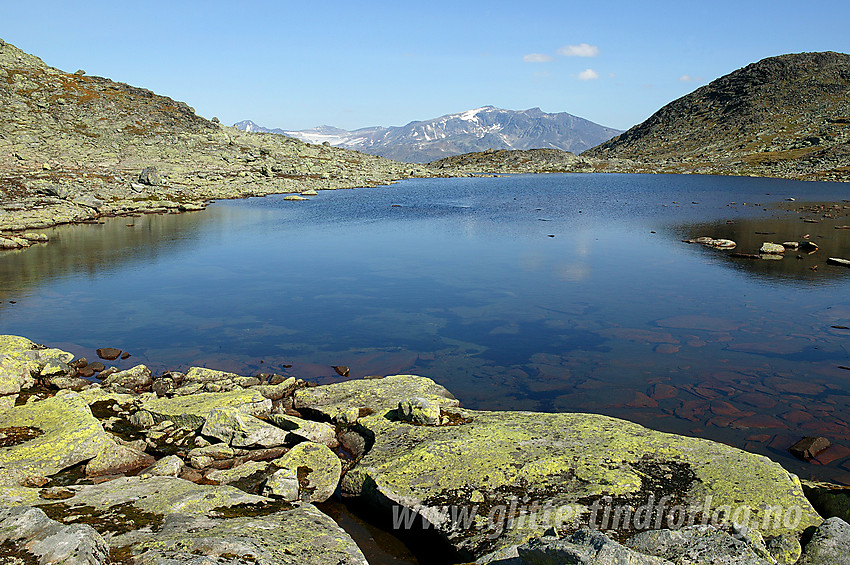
588,74
580,50
537,58
689,78
541,74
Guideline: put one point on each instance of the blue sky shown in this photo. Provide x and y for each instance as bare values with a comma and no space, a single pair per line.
355,64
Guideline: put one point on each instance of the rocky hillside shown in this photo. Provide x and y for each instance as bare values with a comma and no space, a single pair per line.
517,161
786,116
453,134
73,147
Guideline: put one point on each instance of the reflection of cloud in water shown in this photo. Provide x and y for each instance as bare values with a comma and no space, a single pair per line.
573,273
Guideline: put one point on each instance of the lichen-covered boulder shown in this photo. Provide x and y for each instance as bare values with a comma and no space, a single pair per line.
317,432
297,536
238,473
19,363
62,433
170,466
317,467
191,411
464,477
371,396
419,410
241,430
135,378
282,484
159,520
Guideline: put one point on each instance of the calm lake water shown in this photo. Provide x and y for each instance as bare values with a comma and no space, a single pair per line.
461,280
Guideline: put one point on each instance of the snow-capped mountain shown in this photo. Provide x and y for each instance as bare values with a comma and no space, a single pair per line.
464,132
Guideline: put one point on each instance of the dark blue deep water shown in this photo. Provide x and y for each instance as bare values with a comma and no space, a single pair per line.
461,280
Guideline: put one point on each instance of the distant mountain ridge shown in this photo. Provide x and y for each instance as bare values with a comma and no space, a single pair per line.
783,116
475,130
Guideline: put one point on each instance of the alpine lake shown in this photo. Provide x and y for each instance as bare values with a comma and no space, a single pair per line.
564,293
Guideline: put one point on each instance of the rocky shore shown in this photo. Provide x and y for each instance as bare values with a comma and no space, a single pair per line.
74,148
212,467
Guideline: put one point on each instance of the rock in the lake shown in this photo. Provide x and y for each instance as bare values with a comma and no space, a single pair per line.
809,447
317,467
830,544
318,432
418,410
282,484
29,535
809,247
108,353
294,197
584,547
696,545
241,430
772,248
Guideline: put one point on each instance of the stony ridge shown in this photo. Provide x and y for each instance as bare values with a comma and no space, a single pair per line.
72,148
785,116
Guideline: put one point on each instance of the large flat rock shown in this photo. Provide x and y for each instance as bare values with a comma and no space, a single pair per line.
499,465
192,411
63,433
170,520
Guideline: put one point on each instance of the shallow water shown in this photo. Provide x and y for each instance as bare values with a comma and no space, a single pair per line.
460,280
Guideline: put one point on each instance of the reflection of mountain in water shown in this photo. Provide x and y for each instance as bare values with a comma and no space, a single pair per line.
91,249
795,266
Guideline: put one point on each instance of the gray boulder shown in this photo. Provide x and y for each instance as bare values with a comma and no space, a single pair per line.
33,534
696,545
242,430
830,544
150,176
282,484
584,547
317,432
